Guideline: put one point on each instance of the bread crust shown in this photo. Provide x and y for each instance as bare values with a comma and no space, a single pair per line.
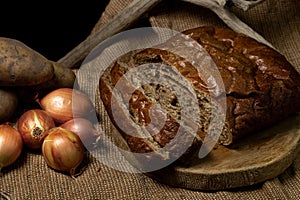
261,88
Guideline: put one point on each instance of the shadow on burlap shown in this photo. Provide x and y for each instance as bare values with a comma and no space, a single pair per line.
30,178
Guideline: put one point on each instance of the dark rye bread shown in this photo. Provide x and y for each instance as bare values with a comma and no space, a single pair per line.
144,111
261,88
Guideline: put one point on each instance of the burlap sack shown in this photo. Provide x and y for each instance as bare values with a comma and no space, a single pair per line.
277,21
30,178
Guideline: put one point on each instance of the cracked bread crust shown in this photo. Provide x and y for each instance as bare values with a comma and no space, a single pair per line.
261,88
151,134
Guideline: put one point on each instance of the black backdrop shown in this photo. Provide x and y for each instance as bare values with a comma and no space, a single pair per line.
50,27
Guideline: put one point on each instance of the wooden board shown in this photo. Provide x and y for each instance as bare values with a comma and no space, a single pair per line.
255,159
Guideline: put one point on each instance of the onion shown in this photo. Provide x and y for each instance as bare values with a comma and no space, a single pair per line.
61,107
11,145
63,150
84,129
33,125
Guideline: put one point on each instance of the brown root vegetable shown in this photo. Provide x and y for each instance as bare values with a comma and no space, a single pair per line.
8,105
63,78
22,66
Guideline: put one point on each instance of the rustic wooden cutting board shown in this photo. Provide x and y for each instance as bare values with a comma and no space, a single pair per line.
255,159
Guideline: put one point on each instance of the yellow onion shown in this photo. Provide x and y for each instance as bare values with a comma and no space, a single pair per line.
63,150
33,125
60,105
85,129
11,145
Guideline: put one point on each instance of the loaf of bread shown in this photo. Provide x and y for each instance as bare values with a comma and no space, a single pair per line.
260,88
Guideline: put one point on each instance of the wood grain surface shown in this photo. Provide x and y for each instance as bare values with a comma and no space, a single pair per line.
255,159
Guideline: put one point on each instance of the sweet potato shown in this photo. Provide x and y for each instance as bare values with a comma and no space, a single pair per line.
22,66
8,104
63,78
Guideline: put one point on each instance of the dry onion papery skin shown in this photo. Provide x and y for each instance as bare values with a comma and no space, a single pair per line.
85,129
33,126
11,145
61,107
63,150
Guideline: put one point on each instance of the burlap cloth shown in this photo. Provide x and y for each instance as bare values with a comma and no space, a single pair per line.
30,178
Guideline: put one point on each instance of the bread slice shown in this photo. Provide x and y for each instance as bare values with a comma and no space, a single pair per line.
155,115
260,88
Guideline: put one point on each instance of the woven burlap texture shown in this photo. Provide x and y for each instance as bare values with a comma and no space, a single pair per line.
30,177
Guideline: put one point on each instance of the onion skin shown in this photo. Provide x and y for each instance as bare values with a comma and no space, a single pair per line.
11,145
33,126
63,150
84,129
60,105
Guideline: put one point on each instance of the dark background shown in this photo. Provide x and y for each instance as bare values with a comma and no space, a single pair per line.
52,28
